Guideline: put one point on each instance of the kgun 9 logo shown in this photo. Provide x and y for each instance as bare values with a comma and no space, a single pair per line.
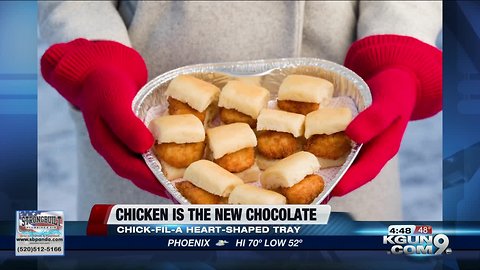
418,244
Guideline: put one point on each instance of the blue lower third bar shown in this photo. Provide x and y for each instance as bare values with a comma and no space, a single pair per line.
233,242
172,230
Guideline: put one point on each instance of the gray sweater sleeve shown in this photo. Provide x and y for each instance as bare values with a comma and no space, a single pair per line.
421,20
67,20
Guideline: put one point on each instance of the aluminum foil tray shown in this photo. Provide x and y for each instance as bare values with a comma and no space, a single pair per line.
269,74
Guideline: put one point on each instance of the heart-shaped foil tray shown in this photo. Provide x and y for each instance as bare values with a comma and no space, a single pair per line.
349,90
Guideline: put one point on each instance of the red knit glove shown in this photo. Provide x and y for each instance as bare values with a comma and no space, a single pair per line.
101,78
405,78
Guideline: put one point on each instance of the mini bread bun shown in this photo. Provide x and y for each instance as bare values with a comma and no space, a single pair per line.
182,128
230,138
170,172
255,80
328,163
305,89
327,121
248,194
281,121
264,163
211,177
244,97
290,170
250,175
195,92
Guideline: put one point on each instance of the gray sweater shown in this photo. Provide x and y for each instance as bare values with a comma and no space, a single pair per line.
173,34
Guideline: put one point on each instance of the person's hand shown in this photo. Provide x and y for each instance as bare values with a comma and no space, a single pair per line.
405,79
100,78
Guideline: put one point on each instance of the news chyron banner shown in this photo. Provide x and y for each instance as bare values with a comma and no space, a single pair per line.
210,226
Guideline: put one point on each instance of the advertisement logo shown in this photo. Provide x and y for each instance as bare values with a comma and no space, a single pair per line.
416,240
36,221
39,233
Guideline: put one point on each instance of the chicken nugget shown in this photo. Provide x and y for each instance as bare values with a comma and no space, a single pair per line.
229,116
180,155
297,106
305,191
196,195
177,107
237,161
332,146
276,145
